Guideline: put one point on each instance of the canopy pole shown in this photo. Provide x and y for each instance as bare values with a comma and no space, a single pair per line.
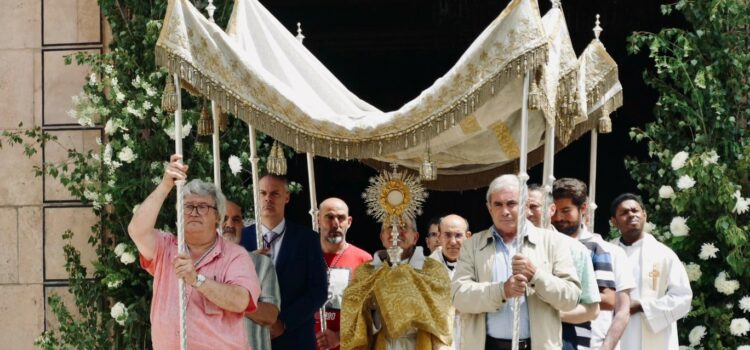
216,146
549,172
523,194
592,177
256,190
313,191
313,195
181,248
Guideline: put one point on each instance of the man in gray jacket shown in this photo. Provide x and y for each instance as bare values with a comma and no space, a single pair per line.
490,272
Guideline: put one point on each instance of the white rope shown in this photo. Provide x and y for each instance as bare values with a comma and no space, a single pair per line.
181,248
523,198
548,173
216,146
256,190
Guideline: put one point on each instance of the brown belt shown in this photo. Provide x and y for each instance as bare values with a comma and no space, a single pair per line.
506,344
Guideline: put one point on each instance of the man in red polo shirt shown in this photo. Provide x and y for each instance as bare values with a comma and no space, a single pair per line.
221,284
342,259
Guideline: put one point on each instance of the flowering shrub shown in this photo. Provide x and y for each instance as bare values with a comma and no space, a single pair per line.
123,95
696,177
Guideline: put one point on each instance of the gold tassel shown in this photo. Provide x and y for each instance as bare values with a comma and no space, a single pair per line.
276,163
281,160
605,124
223,119
205,124
169,97
428,170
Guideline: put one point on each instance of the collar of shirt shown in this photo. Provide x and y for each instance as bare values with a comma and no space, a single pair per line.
416,261
278,229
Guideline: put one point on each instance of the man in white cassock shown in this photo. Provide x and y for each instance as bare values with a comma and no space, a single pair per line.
662,294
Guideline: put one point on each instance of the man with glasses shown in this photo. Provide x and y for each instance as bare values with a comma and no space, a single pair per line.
221,283
300,268
453,231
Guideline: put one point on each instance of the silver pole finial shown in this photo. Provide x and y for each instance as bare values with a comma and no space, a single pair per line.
598,29
300,36
210,9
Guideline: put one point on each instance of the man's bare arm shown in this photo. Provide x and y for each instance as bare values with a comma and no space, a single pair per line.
141,227
265,315
580,314
619,320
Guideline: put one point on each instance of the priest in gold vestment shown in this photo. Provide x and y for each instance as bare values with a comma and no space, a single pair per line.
406,307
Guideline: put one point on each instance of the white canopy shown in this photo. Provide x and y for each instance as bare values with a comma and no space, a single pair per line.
470,116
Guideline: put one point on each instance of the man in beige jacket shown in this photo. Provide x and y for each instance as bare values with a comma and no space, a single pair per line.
490,273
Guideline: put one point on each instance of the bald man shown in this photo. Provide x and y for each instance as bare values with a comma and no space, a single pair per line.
342,259
452,231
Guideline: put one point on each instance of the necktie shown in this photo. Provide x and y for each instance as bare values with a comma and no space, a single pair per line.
269,238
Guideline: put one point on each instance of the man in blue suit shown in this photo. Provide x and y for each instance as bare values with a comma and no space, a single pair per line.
299,263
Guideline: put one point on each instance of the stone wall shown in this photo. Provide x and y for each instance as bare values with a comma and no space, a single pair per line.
35,90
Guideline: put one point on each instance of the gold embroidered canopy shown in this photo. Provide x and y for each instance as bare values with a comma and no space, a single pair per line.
470,117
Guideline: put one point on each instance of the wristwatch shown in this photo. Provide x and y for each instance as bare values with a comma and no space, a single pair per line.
199,279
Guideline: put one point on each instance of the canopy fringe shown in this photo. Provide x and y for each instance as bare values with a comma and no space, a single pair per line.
304,140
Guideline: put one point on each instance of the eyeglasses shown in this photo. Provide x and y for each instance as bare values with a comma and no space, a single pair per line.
201,208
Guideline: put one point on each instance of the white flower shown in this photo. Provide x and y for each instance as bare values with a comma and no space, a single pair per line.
725,286
150,91
679,226
743,347
137,81
649,227
127,258
696,335
89,195
742,205
666,192
185,130
92,79
710,158
126,155
745,304
235,164
679,159
110,127
685,182
126,137
114,284
693,271
120,248
119,96
739,327
119,312
708,251
147,105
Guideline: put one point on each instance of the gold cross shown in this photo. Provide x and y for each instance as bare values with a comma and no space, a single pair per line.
654,274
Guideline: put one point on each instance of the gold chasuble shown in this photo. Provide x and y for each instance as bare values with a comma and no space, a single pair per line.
406,299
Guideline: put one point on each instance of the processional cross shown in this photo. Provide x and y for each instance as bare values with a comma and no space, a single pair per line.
654,274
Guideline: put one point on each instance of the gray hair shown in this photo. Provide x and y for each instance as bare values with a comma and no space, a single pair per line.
199,187
503,182
409,222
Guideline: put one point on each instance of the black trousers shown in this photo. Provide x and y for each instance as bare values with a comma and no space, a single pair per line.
505,344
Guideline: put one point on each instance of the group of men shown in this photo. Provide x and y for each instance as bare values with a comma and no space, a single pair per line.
307,290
